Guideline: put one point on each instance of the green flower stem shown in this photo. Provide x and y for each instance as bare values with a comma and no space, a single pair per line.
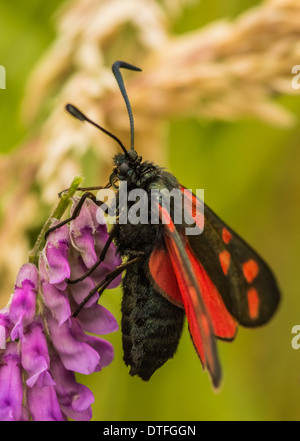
64,202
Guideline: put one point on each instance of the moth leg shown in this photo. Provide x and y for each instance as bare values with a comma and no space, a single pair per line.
101,258
86,189
105,282
76,211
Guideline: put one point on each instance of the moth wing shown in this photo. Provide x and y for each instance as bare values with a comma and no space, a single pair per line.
245,282
188,293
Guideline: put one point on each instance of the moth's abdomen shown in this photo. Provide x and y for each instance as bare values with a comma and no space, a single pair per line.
151,325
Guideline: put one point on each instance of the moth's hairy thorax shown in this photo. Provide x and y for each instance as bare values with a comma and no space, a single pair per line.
141,237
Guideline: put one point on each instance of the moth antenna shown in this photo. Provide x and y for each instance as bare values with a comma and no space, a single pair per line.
116,71
79,115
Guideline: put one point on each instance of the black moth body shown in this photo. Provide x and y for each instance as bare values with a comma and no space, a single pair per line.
151,325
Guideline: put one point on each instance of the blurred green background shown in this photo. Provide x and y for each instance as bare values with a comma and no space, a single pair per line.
250,174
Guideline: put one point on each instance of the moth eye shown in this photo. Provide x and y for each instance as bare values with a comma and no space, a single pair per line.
123,169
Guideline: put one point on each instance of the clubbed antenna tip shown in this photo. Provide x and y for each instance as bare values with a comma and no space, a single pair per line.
75,112
79,115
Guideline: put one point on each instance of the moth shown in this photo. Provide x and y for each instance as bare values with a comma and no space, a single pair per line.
214,279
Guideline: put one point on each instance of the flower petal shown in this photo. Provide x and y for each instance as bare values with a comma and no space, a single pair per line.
104,348
97,320
84,243
28,272
81,289
43,404
75,399
57,301
11,390
82,232
22,309
59,268
35,356
69,341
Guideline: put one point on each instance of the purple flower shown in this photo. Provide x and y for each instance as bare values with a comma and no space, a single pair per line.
75,354
55,299
22,309
97,320
41,344
82,233
56,257
89,235
11,389
35,356
75,399
43,404
79,290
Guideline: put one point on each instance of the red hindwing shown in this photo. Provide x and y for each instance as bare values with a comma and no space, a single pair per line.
215,276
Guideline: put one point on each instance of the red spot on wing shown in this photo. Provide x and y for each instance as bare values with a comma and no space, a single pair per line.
226,236
250,270
253,303
224,258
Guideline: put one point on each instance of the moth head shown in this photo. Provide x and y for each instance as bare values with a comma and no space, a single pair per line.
126,165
